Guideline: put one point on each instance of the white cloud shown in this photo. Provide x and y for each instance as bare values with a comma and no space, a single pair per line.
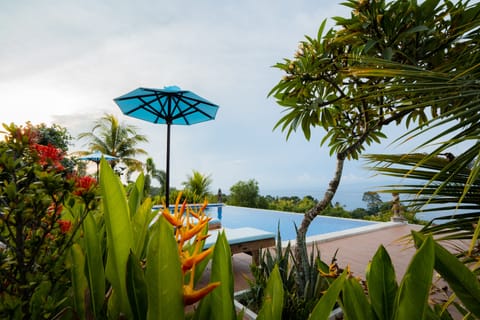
66,61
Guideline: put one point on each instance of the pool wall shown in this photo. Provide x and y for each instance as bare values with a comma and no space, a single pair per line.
364,226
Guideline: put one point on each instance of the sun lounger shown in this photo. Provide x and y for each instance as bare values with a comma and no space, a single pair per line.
246,240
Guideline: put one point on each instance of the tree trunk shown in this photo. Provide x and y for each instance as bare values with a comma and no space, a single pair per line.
301,246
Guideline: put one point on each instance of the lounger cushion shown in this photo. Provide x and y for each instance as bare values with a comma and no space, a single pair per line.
238,235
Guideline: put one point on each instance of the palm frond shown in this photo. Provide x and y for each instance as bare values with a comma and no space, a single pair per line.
455,212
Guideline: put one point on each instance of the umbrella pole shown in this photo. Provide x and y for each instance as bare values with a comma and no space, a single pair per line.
167,182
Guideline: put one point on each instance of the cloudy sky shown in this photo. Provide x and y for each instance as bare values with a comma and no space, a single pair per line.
64,61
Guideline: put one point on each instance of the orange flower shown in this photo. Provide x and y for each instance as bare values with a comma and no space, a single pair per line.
190,295
189,224
189,260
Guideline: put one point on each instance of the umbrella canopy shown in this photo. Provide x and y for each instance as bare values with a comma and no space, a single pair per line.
170,105
96,157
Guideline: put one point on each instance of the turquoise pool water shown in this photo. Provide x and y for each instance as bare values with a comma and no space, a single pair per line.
269,220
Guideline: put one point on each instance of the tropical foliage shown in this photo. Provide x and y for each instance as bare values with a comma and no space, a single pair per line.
197,187
444,180
386,299
294,304
111,137
151,172
38,197
327,85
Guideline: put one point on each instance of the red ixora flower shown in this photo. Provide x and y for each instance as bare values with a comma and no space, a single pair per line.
65,225
49,155
83,185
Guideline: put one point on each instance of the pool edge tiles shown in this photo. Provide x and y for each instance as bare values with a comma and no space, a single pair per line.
331,236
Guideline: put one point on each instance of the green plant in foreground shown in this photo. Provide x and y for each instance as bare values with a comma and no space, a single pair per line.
410,299
151,269
37,229
296,305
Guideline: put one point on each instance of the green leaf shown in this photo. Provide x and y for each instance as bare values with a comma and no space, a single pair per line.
412,297
119,235
382,284
136,194
388,53
461,279
355,302
417,29
79,282
219,303
326,303
273,297
163,274
140,223
137,288
94,264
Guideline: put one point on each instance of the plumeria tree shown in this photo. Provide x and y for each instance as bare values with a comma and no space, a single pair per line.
323,86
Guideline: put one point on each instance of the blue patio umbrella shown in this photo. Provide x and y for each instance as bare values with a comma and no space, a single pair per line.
96,157
170,105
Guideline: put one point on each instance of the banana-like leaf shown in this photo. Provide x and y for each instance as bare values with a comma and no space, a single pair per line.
414,290
119,235
94,264
79,282
382,284
218,304
327,301
140,223
273,297
137,288
163,274
462,280
136,194
355,302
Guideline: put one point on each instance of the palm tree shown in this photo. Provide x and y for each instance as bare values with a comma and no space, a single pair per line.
153,173
197,186
111,137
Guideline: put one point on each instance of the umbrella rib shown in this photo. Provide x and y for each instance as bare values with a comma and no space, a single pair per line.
147,107
192,108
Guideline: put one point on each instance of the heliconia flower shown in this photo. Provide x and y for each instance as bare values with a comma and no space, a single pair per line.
188,261
65,225
190,295
190,225
172,218
188,233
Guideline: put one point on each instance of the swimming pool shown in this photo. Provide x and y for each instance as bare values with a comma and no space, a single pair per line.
268,220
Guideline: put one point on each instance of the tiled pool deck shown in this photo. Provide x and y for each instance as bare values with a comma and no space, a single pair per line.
354,250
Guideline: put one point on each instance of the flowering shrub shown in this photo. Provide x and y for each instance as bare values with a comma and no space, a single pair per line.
36,225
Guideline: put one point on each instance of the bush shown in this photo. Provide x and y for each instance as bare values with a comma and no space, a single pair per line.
36,227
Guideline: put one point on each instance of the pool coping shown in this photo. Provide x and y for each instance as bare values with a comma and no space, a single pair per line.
326,237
